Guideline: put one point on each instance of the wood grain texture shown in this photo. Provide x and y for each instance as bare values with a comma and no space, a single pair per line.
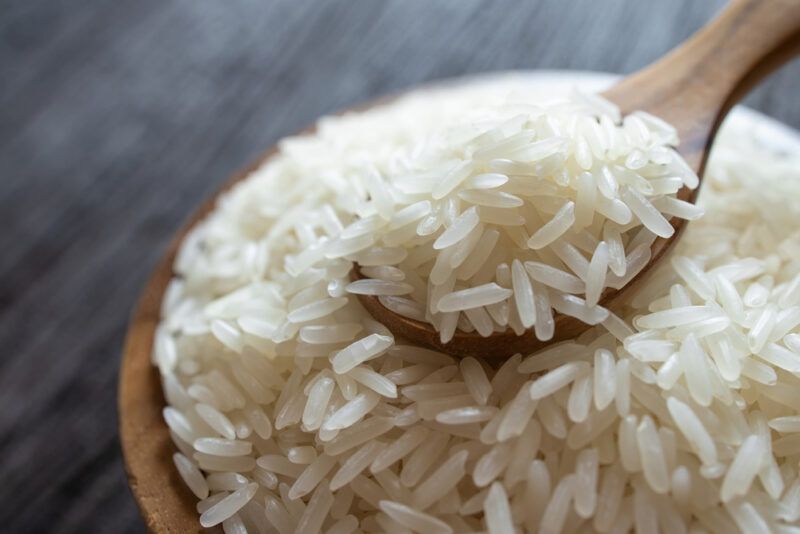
118,118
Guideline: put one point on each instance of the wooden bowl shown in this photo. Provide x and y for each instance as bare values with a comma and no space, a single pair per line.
166,504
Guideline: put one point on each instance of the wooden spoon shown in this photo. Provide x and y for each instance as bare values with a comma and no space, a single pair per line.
693,88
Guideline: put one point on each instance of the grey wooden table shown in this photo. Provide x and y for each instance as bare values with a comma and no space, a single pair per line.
117,118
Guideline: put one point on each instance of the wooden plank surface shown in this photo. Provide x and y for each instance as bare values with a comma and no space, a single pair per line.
118,118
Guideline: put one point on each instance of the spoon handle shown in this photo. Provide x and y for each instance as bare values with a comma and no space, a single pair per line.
695,85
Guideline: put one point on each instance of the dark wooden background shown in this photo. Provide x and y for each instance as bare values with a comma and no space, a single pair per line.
118,117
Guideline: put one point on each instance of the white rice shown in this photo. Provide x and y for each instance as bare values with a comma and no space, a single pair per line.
497,511
414,519
294,411
440,482
527,184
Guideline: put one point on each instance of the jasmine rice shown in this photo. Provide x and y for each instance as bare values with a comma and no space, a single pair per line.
483,208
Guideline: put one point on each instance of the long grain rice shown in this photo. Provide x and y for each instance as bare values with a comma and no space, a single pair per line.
294,411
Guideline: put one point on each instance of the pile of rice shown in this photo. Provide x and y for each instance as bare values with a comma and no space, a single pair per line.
294,411
497,219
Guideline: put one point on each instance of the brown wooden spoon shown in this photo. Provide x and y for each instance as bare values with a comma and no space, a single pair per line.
693,88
